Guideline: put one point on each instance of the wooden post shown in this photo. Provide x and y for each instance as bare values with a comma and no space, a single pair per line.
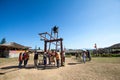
61,52
45,46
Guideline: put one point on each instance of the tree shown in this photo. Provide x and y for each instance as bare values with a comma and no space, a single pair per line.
3,41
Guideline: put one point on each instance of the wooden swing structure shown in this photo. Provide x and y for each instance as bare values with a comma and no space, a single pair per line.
49,38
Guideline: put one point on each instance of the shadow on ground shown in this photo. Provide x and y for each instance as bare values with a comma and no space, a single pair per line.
40,67
8,69
74,63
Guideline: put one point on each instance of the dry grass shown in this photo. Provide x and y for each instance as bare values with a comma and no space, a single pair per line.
4,61
97,69
107,59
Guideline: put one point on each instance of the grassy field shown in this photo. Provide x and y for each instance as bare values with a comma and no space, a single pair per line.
4,61
114,60
96,59
106,59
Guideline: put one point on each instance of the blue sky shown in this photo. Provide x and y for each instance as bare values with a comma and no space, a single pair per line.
82,23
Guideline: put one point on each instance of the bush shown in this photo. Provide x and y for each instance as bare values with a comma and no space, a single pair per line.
115,55
105,55
68,55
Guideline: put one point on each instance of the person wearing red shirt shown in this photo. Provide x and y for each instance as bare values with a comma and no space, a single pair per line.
20,60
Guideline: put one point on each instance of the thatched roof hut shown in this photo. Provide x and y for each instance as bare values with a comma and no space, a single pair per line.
12,49
14,45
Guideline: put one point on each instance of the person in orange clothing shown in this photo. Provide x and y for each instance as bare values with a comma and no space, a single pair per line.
57,58
20,60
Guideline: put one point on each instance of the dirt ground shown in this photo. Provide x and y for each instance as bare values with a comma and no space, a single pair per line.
73,70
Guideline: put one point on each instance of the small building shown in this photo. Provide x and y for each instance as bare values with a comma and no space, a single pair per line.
40,52
115,49
12,49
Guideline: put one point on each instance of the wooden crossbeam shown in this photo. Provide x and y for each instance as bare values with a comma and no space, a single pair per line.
46,39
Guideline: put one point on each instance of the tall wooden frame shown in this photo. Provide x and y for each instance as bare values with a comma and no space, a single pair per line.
52,40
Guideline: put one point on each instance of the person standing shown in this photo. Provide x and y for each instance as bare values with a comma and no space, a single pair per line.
76,55
64,58
26,58
35,59
89,56
20,60
49,55
84,56
45,59
57,59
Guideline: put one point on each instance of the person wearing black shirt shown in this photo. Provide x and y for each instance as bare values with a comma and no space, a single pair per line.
35,59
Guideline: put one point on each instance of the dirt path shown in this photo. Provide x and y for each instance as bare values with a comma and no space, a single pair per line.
72,71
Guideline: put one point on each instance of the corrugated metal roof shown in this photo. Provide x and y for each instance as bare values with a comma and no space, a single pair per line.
115,46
